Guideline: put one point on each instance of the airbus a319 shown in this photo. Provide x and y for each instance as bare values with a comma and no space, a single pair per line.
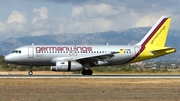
84,57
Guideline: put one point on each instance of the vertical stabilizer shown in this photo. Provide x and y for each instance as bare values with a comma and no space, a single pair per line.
153,44
157,34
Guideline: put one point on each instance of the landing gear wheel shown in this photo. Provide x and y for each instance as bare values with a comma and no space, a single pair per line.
84,72
30,73
87,72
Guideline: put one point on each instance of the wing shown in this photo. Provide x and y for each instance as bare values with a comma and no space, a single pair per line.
87,58
98,56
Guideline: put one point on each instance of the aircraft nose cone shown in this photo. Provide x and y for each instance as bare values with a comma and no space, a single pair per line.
7,58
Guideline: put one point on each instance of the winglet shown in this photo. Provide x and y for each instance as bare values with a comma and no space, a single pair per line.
158,33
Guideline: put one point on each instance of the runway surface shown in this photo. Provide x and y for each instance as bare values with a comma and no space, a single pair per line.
93,76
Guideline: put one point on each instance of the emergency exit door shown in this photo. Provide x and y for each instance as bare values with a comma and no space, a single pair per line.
30,52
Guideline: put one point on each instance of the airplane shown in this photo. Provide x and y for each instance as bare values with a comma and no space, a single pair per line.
84,57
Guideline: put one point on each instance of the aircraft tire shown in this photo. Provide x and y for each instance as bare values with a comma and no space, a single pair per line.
89,72
84,72
30,73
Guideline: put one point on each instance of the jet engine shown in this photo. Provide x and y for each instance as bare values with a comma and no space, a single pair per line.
67,66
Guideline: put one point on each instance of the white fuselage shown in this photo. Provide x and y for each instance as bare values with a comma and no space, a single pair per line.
44,54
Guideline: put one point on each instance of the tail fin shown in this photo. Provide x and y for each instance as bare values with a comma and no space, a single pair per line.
158,33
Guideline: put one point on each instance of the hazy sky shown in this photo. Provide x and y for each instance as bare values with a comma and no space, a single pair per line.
39,17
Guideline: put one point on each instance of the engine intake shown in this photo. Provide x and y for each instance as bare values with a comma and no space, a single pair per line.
67,66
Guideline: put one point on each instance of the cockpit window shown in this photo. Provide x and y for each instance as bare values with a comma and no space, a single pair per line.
16,51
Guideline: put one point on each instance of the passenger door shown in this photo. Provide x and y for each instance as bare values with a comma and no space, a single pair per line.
30,52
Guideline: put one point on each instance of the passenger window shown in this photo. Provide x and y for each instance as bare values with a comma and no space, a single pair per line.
19,51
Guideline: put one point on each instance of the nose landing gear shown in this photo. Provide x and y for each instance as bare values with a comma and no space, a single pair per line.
30,70
30,73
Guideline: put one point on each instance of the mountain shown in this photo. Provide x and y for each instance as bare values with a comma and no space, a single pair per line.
130,36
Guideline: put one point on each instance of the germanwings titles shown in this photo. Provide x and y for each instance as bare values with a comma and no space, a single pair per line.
83,58
60,49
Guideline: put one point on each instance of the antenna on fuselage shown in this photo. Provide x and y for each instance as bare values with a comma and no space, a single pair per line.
107,44
32,44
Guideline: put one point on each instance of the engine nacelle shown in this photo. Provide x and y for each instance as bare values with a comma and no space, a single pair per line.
67,66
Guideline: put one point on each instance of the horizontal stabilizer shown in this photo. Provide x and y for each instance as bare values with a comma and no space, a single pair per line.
163,50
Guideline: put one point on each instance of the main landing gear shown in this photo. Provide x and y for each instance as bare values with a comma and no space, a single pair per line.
30,70
87,72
